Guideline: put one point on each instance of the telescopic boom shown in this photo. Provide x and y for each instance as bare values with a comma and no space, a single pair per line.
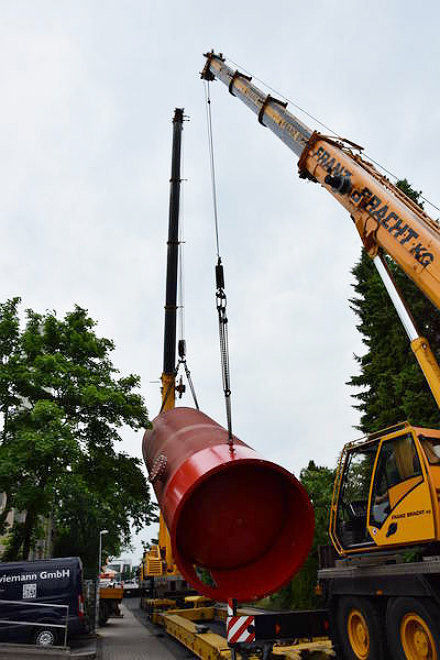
385,218
169,352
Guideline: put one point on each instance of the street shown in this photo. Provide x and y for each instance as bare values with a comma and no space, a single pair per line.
133,637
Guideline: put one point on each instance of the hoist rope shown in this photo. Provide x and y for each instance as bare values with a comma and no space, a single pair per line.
171,384
181,253
220,293
190,383
211,163
298,107
224,346
181,294
327,128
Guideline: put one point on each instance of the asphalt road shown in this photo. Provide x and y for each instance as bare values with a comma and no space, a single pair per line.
169,644
179,651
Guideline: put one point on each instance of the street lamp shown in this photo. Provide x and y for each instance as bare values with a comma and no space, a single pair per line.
101,534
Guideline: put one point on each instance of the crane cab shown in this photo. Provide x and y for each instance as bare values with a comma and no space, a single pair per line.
387,491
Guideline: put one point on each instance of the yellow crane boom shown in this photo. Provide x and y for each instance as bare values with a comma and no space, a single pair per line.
386,219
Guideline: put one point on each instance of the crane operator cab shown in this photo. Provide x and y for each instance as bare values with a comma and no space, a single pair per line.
387,491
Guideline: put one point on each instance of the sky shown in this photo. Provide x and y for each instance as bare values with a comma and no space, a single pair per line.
88,94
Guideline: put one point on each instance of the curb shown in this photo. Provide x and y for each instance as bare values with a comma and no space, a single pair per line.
26,652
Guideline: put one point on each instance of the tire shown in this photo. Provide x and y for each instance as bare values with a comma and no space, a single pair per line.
104,613
43,636
413,629
360,631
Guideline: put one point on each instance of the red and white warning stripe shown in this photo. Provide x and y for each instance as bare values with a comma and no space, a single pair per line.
238,629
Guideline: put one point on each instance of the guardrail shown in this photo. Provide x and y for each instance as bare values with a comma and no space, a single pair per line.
37,623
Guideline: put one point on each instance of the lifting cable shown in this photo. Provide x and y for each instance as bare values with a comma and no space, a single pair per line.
220,293
181,343
181,388
327,128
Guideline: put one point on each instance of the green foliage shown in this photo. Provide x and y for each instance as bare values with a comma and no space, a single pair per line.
412,555
392,385
63,405
405,186
318,482
299,594
392,389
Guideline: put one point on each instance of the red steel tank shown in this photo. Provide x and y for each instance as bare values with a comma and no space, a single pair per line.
240,526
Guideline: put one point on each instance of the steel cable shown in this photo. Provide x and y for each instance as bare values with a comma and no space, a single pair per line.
220,284
327,128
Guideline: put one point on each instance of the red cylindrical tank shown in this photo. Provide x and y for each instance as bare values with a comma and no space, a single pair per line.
240,526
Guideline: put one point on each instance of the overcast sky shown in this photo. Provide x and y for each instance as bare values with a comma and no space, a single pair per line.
88,93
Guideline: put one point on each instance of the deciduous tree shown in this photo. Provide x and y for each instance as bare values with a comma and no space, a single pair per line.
300,592
63,406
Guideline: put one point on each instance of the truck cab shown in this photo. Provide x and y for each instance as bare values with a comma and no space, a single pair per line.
387,491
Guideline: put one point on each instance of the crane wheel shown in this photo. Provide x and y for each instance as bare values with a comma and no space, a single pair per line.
360,630
412,629
104,613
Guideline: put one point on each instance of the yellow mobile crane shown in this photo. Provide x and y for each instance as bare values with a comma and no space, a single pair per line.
387,489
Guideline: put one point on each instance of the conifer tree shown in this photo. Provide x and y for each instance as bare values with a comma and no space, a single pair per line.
392,385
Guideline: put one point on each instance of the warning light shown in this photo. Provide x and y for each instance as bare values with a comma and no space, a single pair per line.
277,628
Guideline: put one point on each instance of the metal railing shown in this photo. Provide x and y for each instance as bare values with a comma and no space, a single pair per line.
44,624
